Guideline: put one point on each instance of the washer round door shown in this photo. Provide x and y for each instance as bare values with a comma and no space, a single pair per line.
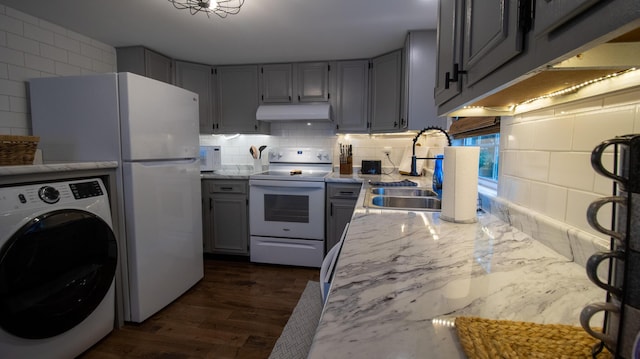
54,271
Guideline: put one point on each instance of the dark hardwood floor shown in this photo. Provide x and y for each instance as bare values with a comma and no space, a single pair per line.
237,311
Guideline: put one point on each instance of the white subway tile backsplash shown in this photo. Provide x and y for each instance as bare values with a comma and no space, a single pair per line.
66,43
23,17
553,134
571,170
18,104
533,165
11,24
52,27
90,51
23,44
63,69
4,103
519,136
54,53
604,185
636,121
549,200
39,63
12,88
30,48
80,60
11,56
578,107
623,98
577,204
37,33
595,127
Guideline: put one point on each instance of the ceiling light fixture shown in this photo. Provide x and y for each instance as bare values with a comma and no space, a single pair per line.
221,8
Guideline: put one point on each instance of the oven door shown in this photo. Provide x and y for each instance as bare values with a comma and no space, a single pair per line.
286,209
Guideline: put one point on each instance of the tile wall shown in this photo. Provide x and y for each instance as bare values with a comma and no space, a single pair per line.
235,150
31,47
545,155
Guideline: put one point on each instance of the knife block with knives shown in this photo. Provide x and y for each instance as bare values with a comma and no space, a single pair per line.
346,159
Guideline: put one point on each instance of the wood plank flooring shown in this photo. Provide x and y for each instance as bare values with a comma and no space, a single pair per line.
237,311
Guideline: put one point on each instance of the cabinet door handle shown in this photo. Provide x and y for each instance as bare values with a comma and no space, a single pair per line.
210,204
331,210
226,188
346,192
456,75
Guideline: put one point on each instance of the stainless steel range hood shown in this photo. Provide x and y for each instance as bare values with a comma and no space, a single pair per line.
297,112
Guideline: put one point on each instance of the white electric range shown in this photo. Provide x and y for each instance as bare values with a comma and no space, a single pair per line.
286,212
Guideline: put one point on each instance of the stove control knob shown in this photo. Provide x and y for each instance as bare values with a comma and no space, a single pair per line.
49,194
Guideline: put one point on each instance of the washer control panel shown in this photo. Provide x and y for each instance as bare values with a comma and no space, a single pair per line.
44,194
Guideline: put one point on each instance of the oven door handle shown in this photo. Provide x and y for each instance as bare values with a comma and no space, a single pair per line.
285,184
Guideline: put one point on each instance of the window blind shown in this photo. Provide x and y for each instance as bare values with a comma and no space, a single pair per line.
464,127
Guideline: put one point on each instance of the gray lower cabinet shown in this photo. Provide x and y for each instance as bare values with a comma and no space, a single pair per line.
226,216
352,102
236,92
341,200
386,89
197,78
142,61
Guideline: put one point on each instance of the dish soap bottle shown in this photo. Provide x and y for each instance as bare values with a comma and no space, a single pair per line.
437,176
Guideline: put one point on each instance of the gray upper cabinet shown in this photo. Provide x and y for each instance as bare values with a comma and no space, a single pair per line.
236,92
419,107
142,61
487,46
493,34
312,81
351,101
550,14
449,54
276,83
294,83
386,88
197,78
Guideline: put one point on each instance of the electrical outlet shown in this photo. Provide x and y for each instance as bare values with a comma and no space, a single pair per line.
386,151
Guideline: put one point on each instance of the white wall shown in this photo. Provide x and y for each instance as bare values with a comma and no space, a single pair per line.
545,155
30,48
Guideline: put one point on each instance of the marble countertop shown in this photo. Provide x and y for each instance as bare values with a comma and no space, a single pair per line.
56,167
230,172
403,276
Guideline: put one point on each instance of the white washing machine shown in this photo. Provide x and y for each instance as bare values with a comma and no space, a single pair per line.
58,257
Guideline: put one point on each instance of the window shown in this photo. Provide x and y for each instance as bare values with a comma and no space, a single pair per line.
489,152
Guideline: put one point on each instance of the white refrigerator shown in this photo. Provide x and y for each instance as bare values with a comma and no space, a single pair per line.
151,129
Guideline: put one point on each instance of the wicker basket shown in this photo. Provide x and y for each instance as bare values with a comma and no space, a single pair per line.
17,150
491,339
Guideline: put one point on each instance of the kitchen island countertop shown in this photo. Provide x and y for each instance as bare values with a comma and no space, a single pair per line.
403,276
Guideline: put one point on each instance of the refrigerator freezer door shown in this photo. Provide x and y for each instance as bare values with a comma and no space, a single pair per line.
159,121
163,216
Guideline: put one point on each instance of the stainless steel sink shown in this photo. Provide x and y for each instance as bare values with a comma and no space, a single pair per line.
413,203
409,198
411,192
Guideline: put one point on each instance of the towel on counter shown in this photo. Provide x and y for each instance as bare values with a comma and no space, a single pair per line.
404,182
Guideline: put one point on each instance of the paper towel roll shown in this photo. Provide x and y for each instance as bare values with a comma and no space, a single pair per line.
460,184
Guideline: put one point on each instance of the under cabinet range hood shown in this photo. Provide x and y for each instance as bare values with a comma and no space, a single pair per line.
299,112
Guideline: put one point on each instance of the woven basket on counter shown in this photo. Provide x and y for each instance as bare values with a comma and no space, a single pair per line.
488,339
17,150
